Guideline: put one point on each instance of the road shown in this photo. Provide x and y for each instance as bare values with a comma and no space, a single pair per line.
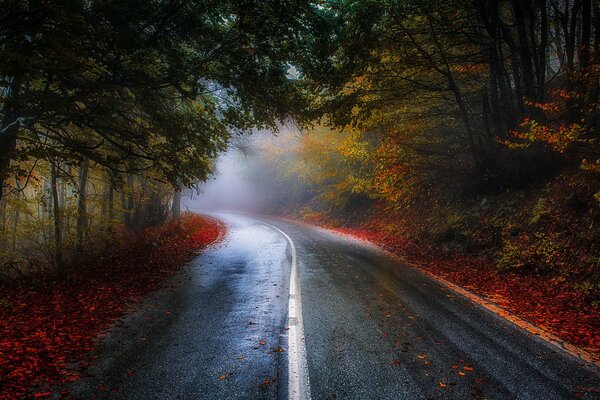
370,328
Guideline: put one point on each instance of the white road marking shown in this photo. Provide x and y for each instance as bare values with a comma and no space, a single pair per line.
298,383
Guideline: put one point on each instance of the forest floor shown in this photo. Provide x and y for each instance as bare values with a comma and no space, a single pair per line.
49,328
545,302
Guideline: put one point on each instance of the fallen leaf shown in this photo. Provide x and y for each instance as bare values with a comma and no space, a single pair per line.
225,376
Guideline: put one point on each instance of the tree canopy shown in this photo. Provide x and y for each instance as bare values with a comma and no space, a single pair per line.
139,85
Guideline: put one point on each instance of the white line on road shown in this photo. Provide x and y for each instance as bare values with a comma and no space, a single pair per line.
298,383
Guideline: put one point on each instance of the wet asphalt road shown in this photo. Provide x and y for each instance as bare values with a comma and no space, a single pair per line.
374,329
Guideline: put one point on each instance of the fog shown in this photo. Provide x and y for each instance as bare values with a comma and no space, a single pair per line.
244,178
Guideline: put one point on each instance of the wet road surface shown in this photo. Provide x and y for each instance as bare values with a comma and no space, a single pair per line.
373,329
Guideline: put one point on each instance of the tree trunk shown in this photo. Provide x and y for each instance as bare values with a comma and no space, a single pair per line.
128,202
524,48
3,206
17,216
500,97
541,52
570,28
111,205
176,207
8,131
58,255
82,208
586,34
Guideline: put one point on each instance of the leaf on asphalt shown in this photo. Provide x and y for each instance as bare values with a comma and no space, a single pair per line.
422,355
396,362
262,342
267,382
468,368
442,385
278,349
225,376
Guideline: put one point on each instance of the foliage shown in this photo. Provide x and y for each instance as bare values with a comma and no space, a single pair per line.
474,115
158,88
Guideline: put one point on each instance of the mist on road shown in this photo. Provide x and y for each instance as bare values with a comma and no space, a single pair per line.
245,178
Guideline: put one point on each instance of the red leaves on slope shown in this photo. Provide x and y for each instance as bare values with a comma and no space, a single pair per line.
48,329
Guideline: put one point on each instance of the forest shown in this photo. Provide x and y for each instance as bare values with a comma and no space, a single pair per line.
463,134
469,126
108,114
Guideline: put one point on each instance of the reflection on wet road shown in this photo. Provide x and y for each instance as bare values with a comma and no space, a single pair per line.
373,329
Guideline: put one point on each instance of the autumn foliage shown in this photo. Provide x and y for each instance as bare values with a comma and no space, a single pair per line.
48,327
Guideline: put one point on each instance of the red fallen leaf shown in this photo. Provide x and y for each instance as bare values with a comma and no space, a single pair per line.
267,382
442,385
130,373
467,368
225,376
422,355
262,342
102,388
40,395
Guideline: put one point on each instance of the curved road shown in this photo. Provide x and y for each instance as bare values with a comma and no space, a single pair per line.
372,329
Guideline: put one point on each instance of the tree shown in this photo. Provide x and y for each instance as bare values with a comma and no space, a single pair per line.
172,77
